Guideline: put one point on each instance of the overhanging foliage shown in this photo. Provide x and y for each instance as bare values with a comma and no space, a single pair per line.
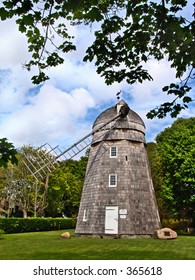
130,34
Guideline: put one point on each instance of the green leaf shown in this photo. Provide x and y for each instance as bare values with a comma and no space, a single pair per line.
144,57
28,19
7,153
187,99
165,88
94,15
172,85
41,77
35,55
3,14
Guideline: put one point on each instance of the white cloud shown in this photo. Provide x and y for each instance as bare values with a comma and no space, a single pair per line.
13,47
49,116
12,90
69,75
149,94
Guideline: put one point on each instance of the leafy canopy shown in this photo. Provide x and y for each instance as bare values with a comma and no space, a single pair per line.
130,34
165,209
176,146
7,153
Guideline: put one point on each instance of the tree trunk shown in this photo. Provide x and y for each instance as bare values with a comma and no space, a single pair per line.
35,205
24,213
44,195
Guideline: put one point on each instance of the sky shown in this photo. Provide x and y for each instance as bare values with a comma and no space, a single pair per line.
63,109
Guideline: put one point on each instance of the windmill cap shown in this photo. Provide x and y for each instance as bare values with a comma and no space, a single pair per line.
122,108
127,126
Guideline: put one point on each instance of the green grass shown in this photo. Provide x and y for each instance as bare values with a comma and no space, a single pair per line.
50,246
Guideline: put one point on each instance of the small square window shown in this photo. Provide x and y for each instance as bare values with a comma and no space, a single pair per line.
112,180
113,152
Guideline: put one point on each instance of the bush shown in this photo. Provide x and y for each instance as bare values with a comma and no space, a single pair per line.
1,232
18,225
176,224
182,232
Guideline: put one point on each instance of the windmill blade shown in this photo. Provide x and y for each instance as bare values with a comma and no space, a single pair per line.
47,159
39,158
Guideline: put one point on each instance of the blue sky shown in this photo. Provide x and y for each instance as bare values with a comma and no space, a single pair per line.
63,109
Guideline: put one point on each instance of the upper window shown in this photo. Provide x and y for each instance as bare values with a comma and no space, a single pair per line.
113,152
112,180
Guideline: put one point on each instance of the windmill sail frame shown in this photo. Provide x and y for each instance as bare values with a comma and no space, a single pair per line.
53,158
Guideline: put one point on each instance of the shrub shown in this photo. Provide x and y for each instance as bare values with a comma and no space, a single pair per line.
18,225
1,232
176,224
183,232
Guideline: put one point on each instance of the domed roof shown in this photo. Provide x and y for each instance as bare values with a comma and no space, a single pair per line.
109,113
128,125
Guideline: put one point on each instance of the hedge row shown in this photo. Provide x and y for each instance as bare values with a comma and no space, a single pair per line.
177,224
18,225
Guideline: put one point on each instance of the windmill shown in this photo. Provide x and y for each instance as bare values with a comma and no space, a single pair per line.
118,198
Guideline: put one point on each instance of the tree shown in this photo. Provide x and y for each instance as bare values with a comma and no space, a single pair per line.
65,188
34,160
15,190
176,146
7,153
130,34
18,189
164,208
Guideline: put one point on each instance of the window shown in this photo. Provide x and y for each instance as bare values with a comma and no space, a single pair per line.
85,215
112,180
113,152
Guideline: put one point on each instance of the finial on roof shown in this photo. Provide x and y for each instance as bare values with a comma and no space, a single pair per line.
118,94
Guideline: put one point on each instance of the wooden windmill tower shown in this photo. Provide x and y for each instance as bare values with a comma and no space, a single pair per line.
118,197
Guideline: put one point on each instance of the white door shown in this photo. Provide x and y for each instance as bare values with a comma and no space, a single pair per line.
111,220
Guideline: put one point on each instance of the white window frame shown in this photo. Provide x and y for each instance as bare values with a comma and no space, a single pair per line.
116,151
85,215
112,183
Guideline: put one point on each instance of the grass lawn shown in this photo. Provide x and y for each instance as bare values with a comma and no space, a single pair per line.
50,246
